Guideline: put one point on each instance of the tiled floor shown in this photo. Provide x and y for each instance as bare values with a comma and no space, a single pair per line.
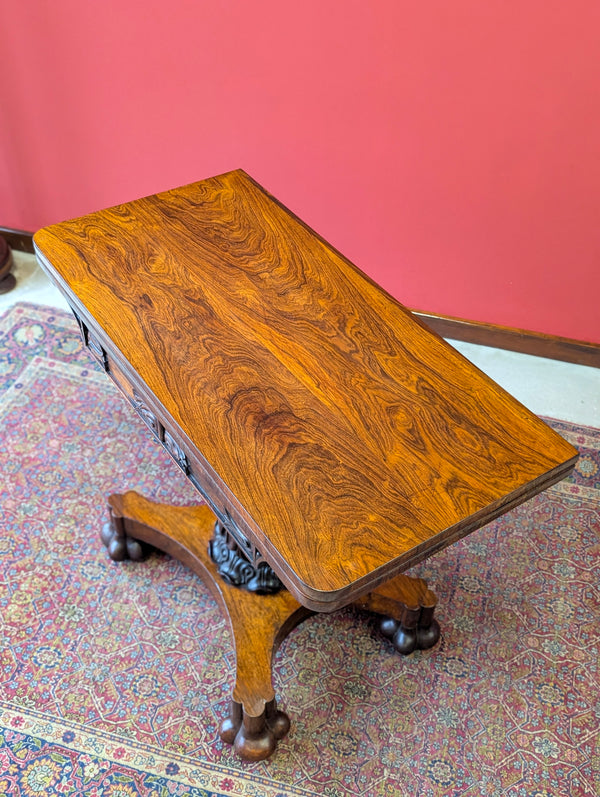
548,387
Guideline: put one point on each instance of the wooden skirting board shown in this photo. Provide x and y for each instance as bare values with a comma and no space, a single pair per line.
497,337
18,240
519,340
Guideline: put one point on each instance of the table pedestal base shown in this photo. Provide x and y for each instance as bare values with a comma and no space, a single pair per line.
258,623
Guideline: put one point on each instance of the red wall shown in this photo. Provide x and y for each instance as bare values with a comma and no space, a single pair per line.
450,149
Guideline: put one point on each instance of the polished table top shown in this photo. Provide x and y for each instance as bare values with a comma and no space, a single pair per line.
318,417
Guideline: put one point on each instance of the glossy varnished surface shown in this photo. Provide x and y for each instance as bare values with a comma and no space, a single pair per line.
346,440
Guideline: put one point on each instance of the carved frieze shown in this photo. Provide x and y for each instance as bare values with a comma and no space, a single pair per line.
175,450
235,568
146,414
238,561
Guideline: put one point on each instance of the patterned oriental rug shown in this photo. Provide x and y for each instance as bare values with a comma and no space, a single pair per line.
114,678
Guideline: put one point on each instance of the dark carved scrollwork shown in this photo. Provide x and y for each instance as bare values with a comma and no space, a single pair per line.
176,452
236,569
146,414
160,433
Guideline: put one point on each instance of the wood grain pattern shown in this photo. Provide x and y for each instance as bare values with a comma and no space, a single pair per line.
483,333
347,439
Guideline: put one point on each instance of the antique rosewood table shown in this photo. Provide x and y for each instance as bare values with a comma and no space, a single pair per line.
336,441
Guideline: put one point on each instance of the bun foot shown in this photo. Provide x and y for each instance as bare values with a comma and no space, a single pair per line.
405,606
416,630
428,637
120,546
278,721
231,725
402,638
254,738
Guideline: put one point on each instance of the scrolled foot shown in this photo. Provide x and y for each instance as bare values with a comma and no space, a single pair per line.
254,738
121,547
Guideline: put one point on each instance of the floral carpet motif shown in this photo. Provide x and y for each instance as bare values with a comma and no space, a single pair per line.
114,677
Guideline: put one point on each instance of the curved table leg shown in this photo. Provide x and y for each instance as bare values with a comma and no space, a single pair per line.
258,623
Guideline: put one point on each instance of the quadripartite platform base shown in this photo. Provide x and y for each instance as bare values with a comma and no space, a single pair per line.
259,622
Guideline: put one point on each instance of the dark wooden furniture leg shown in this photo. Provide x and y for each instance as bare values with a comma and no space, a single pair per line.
7,280
258,622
